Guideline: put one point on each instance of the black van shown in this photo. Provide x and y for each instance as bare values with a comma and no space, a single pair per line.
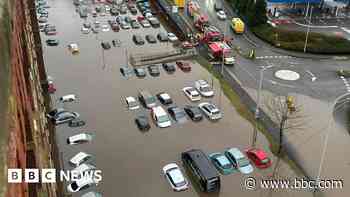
202,170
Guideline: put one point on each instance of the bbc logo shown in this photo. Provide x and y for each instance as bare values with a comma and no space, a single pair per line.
31,175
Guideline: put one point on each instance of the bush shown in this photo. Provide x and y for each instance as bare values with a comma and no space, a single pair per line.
295,40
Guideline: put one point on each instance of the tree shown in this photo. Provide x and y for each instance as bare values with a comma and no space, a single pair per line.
287,116
260,13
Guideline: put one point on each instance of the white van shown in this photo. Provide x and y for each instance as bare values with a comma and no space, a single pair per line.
160,117
67,98
80,158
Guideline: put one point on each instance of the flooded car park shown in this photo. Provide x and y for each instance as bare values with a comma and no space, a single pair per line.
132,160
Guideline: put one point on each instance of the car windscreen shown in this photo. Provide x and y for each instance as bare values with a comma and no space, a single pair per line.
74,186
163,118
224,162
176,177
180,114
150,100
243,162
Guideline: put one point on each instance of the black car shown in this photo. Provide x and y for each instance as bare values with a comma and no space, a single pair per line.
76,123
170,68
138,40
193,112
162,37
133,11
52,42
178,114
114,11
164,98
106,45
151,39
140,72
142,122
153,70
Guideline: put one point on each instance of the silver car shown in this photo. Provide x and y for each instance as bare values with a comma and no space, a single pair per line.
64,117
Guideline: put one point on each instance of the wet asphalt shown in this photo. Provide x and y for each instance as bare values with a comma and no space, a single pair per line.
130,160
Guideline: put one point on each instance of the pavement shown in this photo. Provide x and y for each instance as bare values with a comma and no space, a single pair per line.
131,160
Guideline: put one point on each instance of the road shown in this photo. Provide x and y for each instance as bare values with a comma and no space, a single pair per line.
131,160
326,86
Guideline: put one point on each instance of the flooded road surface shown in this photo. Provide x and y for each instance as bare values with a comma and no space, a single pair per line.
130,160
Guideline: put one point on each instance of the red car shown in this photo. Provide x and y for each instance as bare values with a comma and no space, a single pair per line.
140,18
187,45
259,158
184,66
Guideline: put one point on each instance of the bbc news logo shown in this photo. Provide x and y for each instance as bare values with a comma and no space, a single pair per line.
49,175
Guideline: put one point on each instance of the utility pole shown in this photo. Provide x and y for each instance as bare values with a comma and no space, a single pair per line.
257,109
308,31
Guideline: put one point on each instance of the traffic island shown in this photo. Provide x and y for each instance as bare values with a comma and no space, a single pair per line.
295,40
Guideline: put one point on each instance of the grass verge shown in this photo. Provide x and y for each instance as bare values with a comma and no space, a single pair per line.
295,40
244,112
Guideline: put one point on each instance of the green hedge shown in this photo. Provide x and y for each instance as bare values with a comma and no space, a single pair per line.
295,40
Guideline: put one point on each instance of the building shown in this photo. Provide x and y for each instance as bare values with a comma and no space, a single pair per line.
26,138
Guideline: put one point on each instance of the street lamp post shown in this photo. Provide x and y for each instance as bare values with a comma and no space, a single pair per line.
308,30
257,109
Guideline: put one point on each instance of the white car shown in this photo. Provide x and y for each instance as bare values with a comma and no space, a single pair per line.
73,48
67,98
204,88
221,15
92,194
105,28
160,116
210,110
80,158
80,138
85,30
85,167
81,184
175,177
97,24
192,93
131,103
172,37
148,15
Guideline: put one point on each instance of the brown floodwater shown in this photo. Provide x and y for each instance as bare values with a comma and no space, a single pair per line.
130,160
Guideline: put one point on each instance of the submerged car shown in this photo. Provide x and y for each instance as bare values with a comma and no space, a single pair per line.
175,177
258,157
73,48
164,98
162,37
193,112
210,110
80,158
132,103
92,194
222,163
80,138
81,184
178,114
126,71
170,68
184,66
204,88
153,70
105,45
76,123
64,117
138,39
151,39
142,122
160,117
192,93
52,42
140,72
239,161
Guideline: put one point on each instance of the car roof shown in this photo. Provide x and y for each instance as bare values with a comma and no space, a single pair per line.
92,194
203,163
130,99
84,167
164,95
79,156
80,136
236,153
259,153
176,175
159,111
